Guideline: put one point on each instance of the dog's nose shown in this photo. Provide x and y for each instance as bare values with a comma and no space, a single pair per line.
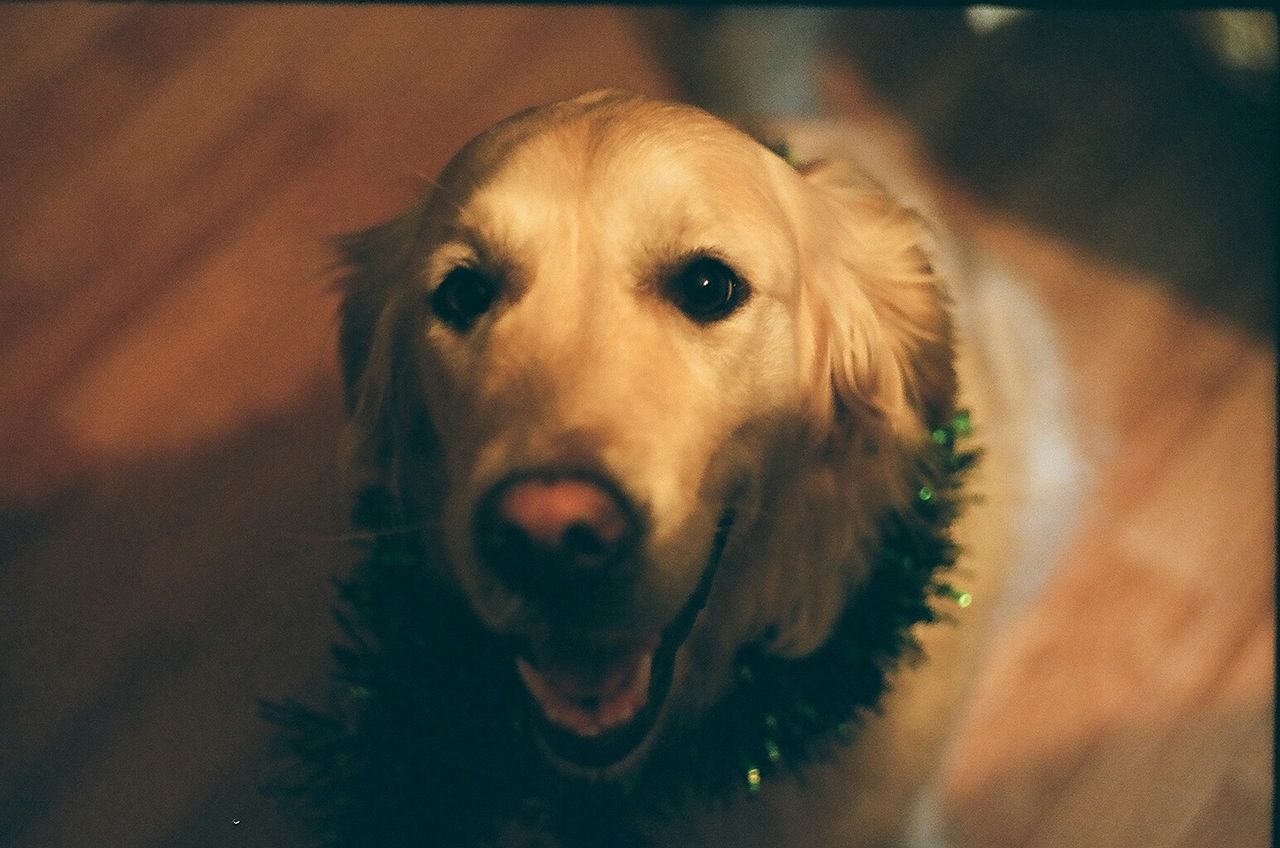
543,535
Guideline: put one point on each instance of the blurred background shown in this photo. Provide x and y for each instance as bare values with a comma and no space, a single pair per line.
171,509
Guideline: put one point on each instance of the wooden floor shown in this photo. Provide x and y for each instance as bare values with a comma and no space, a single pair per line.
170,512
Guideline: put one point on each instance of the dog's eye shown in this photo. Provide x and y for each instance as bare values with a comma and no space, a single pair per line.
707,290
463,296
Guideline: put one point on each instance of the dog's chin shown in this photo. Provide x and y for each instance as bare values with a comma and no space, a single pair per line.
596,719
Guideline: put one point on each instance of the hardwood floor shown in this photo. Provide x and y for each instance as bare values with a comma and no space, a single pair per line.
170,509
170,414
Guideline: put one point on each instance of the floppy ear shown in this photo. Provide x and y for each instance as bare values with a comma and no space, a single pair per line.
375,347
884,329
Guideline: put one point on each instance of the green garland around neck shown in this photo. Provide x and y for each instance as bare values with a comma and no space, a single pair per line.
424,740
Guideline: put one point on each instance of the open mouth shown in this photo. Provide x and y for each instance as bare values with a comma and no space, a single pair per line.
594,711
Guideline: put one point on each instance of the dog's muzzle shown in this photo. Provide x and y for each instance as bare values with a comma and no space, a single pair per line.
569,544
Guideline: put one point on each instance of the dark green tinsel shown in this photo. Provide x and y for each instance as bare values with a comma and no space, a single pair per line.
424,742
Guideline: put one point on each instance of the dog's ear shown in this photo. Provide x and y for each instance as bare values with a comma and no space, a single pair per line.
375,339
884,327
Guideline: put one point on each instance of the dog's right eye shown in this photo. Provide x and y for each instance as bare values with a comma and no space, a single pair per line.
463,296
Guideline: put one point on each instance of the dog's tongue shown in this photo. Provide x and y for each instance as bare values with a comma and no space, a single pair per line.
588,695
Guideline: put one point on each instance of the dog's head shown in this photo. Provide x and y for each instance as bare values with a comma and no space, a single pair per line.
649,388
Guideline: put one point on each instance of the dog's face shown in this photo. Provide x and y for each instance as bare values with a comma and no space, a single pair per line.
650,387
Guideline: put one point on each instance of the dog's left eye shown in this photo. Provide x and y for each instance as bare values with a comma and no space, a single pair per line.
463,296
707,290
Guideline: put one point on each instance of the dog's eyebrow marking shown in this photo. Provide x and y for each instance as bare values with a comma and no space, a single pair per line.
467,246
671,261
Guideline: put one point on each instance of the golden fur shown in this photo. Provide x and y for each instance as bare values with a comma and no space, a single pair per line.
802,409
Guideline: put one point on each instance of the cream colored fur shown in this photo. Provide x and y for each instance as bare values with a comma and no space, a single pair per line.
803,409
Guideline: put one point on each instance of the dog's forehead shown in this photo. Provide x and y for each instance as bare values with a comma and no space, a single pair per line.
646,177
593,131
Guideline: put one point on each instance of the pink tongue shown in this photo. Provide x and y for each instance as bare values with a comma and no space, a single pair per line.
590,680
586,697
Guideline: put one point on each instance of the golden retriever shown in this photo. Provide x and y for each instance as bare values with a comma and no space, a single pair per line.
650,388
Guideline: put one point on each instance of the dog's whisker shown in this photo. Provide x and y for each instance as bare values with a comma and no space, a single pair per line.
359,535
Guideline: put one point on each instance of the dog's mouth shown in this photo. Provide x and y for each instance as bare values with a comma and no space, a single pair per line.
594,707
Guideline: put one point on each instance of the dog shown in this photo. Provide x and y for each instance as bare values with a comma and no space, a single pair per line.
648,389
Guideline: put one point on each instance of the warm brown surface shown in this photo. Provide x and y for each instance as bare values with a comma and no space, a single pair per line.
169,416
169,411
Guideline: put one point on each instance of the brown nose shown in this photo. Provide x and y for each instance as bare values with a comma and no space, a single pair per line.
550,534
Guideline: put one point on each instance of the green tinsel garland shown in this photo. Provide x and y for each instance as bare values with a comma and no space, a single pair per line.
424,741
